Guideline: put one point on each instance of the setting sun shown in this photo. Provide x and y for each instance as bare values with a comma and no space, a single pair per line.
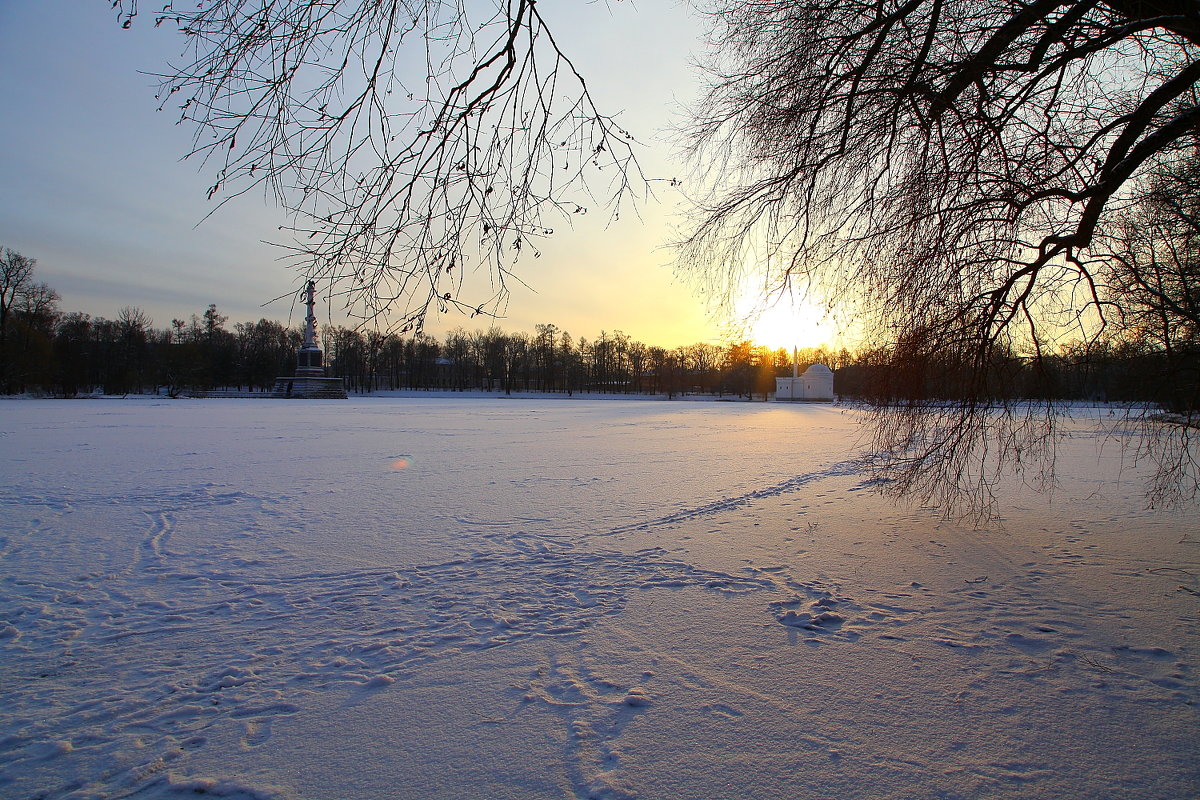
798,323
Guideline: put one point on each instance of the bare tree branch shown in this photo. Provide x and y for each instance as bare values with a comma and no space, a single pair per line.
946,167
413,141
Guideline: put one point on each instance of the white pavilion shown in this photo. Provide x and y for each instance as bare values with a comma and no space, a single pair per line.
815,384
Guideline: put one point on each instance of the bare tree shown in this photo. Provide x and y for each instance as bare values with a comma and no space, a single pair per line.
16,278
28,344
408,138
948,164
1152,279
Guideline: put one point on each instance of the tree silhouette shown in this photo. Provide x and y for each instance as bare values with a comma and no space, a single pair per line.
948,167
16,276
413,142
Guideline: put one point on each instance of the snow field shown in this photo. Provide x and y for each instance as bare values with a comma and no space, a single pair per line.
452,598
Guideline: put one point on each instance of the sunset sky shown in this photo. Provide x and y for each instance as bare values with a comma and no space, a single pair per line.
95,190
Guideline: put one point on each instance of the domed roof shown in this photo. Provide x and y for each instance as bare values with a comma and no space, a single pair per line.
818,369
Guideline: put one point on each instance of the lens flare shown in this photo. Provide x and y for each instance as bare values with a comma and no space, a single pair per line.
401,462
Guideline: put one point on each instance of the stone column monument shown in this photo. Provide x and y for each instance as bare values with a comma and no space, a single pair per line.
308,357
310,380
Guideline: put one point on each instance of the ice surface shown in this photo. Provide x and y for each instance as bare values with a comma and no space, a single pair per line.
461,598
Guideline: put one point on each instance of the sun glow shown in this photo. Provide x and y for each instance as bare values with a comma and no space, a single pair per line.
798,323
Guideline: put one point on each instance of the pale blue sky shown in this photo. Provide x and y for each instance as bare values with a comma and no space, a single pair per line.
94,189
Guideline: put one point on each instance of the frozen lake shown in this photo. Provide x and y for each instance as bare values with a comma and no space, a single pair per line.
458,598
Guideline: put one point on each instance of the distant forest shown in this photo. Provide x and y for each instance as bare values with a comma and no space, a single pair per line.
50,352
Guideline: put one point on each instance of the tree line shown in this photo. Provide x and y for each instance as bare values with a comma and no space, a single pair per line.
47,351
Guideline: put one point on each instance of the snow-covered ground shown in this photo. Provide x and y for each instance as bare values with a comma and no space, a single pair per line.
489,598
